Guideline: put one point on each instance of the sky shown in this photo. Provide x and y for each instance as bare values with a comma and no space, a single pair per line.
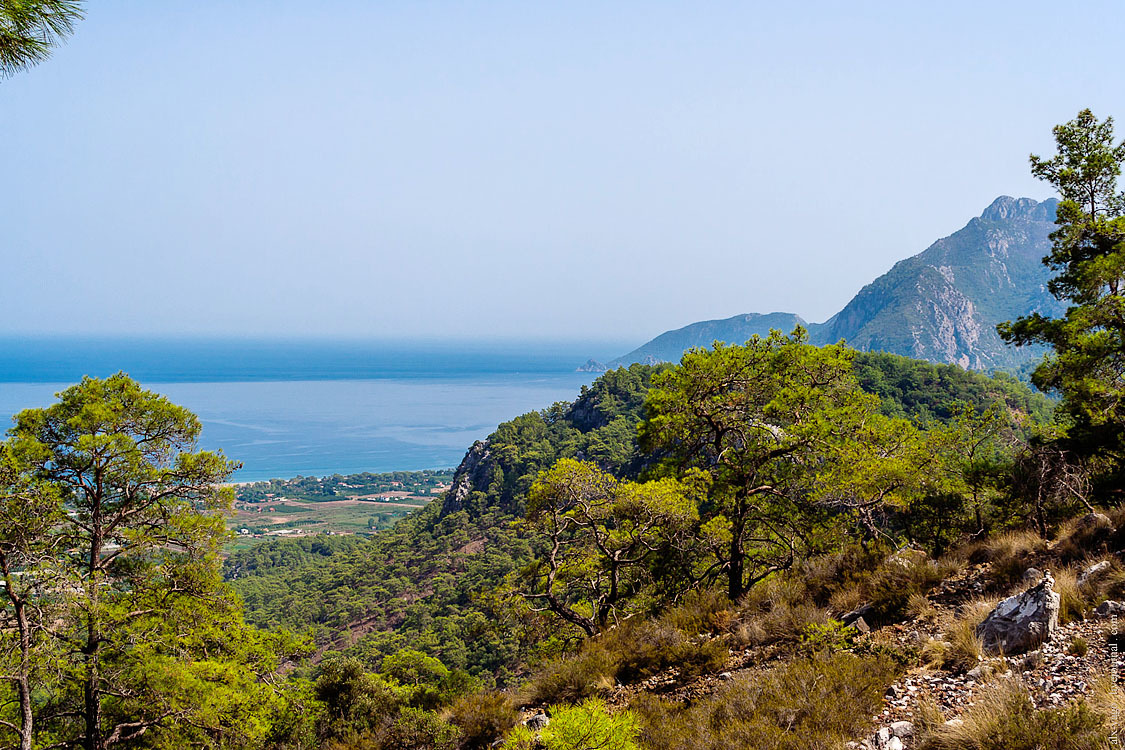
511,169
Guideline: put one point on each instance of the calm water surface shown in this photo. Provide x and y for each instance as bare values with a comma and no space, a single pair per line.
315,410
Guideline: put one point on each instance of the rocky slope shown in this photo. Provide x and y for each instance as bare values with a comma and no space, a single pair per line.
941,305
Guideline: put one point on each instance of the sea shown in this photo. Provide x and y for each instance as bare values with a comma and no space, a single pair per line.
286,408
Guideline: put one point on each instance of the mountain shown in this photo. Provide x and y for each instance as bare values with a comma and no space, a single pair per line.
670,345
941,305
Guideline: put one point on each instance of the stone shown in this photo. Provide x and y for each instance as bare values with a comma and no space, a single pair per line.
902,729
884,739
861,625
1094,570
1022,622
849,618
1093,522
1032,576
1032,660
892,692
725,676
537,722
907,557
1110,608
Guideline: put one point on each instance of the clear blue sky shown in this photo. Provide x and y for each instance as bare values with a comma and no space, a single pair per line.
515,169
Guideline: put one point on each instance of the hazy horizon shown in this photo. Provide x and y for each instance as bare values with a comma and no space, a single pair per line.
513,172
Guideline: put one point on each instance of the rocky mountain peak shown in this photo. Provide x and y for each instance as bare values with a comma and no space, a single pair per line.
1007,208
942,304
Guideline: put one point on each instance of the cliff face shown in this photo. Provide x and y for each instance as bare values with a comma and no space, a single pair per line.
473,474
944,303
941,305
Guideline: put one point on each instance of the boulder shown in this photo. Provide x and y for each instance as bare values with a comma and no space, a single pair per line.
1032,576
1110,608
907,557
1023,621
902,729
849,618
1094,570
537,722
1093,522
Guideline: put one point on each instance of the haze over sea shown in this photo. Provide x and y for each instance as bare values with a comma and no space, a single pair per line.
315,407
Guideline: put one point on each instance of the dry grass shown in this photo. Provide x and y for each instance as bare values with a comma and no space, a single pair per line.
482,718
1004,718
846,599
776,610
1010,555
1072,603
965,650
1077,540
927,716
1012,544
919,607
818,702
1108,699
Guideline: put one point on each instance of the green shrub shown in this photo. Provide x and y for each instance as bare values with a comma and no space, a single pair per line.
902,656
588,726
830,636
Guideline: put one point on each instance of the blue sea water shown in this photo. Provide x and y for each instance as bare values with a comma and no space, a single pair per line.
312,408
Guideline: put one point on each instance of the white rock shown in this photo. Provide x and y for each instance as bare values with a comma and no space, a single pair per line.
902,729
1023,621
1094,570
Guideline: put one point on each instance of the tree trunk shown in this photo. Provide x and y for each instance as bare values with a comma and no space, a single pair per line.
23,678
735,573
91,692
27,720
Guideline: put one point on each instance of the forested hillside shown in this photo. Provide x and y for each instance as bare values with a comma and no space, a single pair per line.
422,583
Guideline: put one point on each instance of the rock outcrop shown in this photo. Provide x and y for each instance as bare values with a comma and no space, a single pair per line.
1022,622
473,474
